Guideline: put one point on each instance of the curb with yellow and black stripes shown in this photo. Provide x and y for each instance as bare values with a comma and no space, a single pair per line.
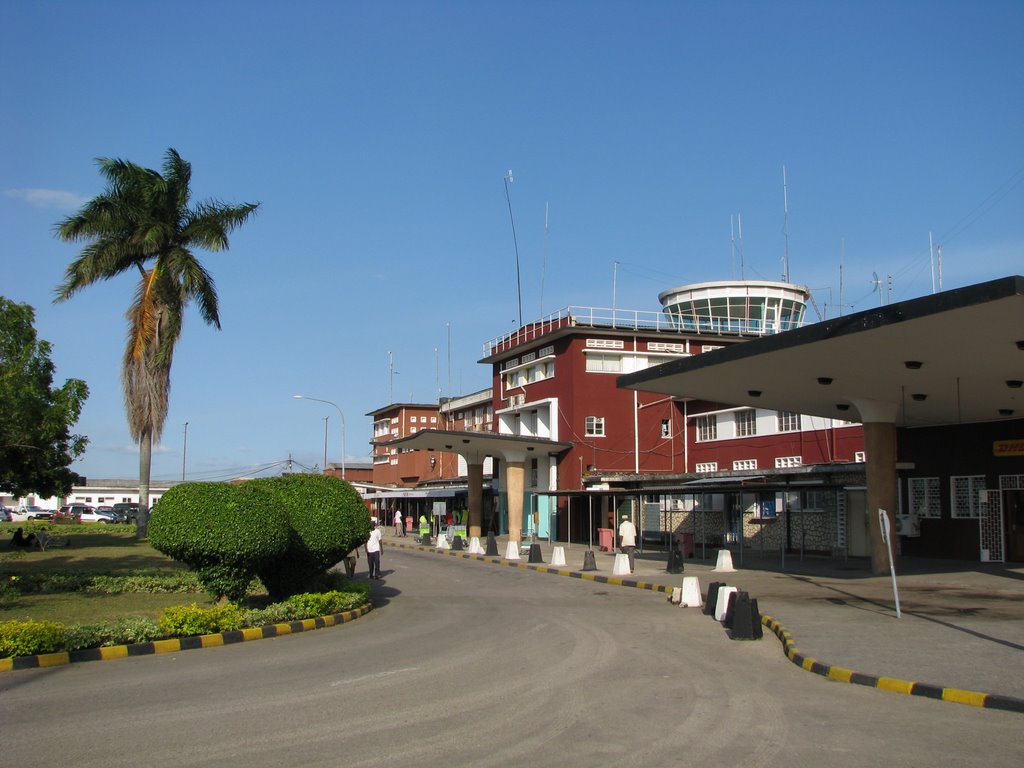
895,685
180,643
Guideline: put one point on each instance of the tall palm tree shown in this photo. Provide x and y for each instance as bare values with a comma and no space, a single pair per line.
143,221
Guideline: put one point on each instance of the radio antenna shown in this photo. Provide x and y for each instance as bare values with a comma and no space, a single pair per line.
515,243
785,227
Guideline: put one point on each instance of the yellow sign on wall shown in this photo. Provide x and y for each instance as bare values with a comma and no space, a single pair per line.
1004,448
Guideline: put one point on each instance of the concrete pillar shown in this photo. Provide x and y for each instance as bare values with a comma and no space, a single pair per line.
476,498
514,476
880,446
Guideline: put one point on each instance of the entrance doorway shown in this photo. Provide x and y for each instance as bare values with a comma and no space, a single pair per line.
858,539
1013,513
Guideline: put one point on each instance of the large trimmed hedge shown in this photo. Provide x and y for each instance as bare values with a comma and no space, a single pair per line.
326,519
285,530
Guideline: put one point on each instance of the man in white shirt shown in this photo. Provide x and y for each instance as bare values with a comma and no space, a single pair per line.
373,548
627,538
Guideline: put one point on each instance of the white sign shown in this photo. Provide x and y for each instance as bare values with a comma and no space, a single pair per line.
883,521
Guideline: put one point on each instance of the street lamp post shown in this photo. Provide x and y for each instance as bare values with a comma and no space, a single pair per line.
342,415
184,450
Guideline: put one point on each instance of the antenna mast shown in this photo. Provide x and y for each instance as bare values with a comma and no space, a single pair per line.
785,227
842,258
743,267
931,259
544,261
515,243
732,244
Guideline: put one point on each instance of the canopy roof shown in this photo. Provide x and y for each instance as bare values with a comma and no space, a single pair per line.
948,358
476,446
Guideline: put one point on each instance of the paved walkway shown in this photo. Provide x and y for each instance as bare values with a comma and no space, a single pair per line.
962,624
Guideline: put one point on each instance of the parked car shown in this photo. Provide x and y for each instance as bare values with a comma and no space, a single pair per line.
31,512
5,515
108,511
127,510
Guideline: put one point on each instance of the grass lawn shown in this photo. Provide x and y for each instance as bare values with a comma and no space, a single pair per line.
92,548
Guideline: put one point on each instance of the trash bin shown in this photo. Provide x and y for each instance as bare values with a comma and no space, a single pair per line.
408,524
606,539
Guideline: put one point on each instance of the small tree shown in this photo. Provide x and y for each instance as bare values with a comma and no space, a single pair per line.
327,519
288,531
221,534
37,447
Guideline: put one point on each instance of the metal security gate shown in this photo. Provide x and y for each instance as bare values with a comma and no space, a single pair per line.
993,546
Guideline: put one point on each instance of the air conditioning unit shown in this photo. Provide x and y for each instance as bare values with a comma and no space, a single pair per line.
515,401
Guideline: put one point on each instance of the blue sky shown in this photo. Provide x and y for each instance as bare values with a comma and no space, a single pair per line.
376,137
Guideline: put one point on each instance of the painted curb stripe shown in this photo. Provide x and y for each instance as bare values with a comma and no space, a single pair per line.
892,684
174,645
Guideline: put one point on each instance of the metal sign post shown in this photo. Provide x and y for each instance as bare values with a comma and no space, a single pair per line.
883,521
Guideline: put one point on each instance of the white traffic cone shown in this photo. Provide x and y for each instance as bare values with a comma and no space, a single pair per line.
723,602
724,564
512,550
558,556
691,593
621,566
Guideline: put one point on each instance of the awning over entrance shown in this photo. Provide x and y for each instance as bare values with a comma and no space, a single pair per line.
474,447
937,360
417,493
949,358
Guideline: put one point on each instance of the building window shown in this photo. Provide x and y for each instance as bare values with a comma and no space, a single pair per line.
707,428
818,501
924,496
707,466
603,363
787,421
533,473
595,426
745,464
605,343
746,423
666,427
964,495
783,462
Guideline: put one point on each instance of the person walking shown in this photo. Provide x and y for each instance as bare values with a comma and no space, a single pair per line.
399,527
374,545
627,538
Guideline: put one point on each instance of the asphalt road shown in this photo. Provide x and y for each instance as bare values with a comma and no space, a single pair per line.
465,663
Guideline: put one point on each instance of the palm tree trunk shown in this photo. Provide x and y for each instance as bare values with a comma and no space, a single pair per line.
145,461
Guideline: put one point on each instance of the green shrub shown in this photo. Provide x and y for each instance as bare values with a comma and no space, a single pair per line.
134,629
189,620
277,613
53,582
327,519
28,638
150,584
222,532
327,603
